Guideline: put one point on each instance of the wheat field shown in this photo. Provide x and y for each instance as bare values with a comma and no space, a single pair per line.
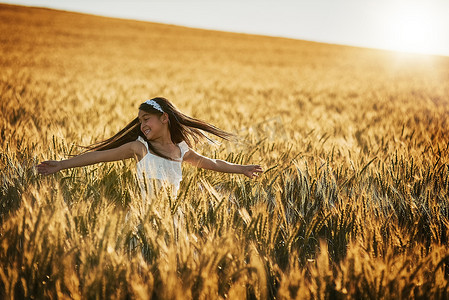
354,142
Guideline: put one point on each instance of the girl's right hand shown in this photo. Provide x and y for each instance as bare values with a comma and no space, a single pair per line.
49,167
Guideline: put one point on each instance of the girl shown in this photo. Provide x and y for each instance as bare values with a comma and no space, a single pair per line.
159,139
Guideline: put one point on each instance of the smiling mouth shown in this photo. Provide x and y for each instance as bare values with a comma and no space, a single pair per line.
147,131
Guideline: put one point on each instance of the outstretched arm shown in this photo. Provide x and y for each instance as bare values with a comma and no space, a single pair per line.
219,165
128,150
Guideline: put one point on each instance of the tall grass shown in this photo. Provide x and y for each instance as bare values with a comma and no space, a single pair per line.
353,202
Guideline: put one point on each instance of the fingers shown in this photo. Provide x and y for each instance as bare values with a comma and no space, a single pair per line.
254,171
45,168
257,169
254,175
45,172
44,164
41,169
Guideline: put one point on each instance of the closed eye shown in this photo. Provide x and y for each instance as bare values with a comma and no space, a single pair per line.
143,120
144,117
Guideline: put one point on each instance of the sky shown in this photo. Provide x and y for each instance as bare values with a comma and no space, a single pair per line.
416,26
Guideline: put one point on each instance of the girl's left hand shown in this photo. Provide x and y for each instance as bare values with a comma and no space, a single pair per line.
252,171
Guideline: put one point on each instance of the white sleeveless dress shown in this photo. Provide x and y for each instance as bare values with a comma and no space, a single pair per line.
155,172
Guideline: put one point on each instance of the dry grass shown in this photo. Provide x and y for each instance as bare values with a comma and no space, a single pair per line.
353,203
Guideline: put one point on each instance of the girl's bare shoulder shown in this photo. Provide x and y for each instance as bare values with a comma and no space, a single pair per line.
138,148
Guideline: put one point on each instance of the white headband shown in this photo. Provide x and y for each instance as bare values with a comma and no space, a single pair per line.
155,105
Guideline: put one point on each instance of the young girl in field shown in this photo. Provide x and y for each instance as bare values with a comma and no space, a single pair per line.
159,139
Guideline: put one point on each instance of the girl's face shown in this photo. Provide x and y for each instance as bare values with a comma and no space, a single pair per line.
151,125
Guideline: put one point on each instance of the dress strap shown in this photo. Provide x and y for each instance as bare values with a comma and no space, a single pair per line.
140,139
184,148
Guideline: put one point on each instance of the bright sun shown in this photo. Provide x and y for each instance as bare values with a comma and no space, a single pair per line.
413,27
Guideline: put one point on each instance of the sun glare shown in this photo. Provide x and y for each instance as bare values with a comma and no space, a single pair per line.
413,28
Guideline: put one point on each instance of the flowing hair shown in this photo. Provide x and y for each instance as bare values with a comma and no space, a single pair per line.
182,128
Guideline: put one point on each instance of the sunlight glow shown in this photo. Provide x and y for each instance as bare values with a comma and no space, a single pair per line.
413,27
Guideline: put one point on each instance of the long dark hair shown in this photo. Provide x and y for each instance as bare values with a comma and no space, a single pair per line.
181,126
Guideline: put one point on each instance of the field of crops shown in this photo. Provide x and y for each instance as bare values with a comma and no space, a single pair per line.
354,142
